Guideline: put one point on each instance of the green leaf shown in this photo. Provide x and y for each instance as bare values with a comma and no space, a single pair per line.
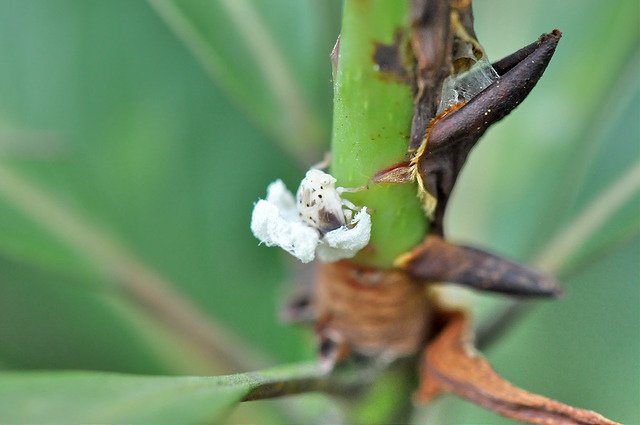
94,397
239,43
77,397
151,155
46,322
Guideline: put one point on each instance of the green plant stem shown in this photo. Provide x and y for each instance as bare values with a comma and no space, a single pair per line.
372,122
306,377
388,400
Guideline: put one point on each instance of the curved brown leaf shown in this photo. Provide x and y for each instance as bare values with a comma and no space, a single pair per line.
451,364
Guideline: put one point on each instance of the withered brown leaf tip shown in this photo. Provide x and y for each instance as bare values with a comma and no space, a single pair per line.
451,364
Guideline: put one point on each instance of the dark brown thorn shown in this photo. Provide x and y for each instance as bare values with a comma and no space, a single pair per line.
507,63
436,260
451,138
496,101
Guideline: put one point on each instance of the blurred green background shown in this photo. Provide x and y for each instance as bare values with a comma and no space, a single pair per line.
136,136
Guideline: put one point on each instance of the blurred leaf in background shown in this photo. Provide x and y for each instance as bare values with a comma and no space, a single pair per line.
135,137
128,133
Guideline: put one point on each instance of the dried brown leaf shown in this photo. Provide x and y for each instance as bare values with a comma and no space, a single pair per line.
431,40
371,310
451,364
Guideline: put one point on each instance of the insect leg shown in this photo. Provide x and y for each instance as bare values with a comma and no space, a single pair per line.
350,205
342,190
325,163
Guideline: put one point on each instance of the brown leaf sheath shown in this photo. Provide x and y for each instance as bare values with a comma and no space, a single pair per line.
374,311
451,137
431,40
437,260
451,364
465,15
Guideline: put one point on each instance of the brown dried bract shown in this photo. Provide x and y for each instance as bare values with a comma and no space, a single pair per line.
431,41
451,364
377,312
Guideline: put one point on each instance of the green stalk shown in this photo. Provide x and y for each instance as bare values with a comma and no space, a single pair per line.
372,122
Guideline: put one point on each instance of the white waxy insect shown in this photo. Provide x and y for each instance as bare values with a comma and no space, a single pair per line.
319,202
319,223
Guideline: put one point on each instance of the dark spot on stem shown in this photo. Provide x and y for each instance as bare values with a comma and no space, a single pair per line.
391,59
